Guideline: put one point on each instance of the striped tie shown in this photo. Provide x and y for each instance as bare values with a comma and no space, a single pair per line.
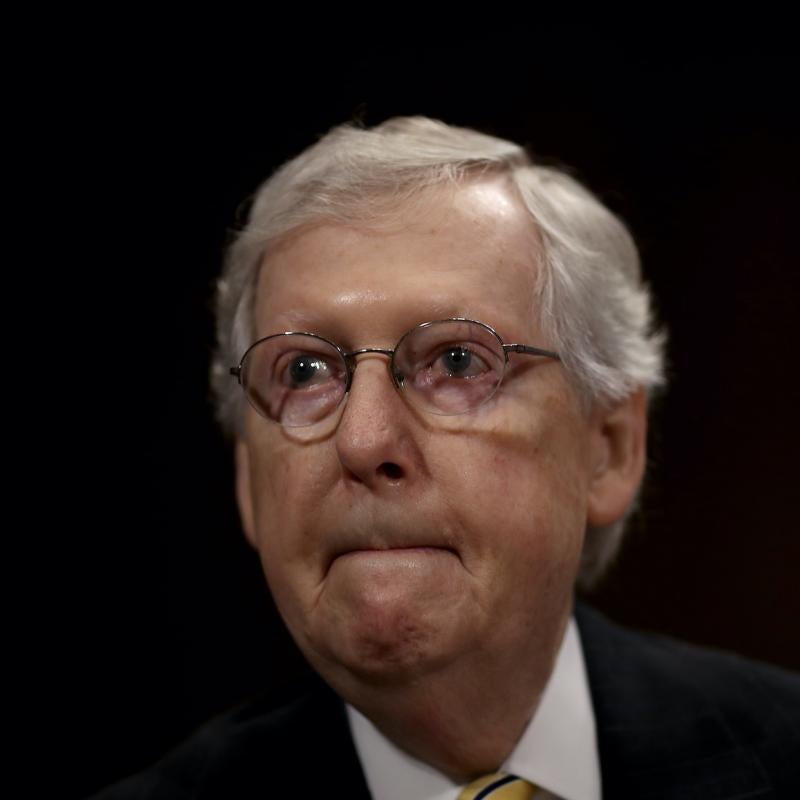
498,786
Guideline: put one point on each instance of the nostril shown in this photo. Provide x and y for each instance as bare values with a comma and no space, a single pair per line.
391,470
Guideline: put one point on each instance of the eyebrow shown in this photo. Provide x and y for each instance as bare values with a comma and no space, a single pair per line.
334,329
314,324
298,321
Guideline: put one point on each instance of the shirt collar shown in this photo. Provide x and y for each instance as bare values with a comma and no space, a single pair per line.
557,751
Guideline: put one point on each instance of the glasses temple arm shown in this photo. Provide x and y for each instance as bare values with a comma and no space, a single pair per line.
530,351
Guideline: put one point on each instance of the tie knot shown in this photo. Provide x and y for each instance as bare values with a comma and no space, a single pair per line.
498,786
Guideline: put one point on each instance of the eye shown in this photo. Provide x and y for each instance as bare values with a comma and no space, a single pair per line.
458,361
305,370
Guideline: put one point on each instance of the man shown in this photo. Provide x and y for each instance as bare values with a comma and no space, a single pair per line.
435,360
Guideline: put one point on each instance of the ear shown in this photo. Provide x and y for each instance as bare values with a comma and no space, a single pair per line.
618,452
244,496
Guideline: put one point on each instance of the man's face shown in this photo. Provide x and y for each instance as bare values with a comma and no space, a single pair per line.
400,542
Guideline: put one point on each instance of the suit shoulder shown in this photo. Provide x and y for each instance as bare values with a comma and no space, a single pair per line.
236,752
657,697
730,678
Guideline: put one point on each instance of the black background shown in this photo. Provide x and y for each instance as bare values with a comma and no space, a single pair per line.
161,617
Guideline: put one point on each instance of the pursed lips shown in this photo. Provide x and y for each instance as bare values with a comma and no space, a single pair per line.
377,543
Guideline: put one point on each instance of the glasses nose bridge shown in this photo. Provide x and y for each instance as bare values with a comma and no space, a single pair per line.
350,360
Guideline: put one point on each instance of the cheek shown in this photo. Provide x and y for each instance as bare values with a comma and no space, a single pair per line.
520,490
288,486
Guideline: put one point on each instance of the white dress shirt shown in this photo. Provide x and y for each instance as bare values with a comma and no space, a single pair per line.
557,751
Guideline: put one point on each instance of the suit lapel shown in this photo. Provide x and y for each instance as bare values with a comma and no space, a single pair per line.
315,749
659,737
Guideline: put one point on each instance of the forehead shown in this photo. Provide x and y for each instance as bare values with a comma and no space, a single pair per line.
470,250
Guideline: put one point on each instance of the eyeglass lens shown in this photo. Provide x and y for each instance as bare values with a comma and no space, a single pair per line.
446,367
294,379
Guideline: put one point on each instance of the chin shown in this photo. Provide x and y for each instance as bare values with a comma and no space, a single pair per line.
392,647
389,617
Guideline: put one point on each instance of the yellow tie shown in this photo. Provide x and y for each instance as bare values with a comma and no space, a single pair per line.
498,786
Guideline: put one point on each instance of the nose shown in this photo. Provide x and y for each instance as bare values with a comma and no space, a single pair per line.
375,439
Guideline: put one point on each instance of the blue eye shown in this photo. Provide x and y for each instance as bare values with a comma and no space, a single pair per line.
305,369
459,361
456,360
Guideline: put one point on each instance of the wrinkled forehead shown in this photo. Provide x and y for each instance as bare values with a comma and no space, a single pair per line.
470,250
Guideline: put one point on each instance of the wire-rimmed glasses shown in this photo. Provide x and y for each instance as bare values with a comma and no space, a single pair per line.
448,366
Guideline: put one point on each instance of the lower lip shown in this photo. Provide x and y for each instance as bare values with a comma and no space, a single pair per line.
396,551
399,550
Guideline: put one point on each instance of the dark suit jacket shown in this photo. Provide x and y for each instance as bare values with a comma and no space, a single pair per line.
673,721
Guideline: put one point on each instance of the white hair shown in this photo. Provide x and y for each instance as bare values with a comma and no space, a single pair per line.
594,308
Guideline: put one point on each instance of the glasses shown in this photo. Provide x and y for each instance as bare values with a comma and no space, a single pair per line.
449,366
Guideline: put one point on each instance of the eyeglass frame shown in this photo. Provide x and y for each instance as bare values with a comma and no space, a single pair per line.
350,362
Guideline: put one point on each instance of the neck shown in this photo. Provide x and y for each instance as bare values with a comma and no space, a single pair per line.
436,717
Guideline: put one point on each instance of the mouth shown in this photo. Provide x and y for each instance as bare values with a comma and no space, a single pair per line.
410,548
421,550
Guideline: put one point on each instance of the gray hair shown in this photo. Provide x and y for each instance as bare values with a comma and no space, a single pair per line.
595,310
